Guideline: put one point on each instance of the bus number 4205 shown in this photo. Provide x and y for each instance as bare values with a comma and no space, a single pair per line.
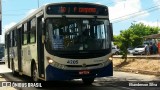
72,61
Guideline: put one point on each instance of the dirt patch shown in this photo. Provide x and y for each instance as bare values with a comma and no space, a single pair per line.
144,66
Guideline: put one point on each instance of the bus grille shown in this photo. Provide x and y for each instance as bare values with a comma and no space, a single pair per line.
82,66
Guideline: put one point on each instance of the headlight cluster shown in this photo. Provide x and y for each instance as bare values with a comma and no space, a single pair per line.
104,63
55,64
141,50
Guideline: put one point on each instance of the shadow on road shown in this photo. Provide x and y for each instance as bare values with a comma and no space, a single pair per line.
47,85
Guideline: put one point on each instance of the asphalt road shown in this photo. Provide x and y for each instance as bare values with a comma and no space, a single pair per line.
120,81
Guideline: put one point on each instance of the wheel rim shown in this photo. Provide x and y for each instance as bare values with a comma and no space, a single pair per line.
35,74
13,69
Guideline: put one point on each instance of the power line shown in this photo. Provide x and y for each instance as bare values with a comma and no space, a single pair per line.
38,4
12,14
16,10
135,14
132,15
118,19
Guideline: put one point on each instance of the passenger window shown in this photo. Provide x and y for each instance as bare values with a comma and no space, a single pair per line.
28,31
33,31
13,38
25,34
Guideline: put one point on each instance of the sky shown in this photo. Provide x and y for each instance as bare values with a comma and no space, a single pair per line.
122,13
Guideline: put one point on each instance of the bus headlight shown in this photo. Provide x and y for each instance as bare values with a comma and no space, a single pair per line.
104,63
58,65
55,64
50,61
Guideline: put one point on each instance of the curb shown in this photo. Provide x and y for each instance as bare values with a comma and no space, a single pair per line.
138,71
139,57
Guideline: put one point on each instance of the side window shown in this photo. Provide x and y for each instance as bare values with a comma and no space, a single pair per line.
22,34
33,31
15,38
6,41
25,34
10,40
28,31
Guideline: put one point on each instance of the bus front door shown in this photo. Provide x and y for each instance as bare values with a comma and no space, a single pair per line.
19,49
8,45
40,48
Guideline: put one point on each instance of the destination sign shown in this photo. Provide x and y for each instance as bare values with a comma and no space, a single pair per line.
77,9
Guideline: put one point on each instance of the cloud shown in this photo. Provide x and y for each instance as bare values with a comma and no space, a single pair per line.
6,27
1,38
30,11
149,23
124,9
157,2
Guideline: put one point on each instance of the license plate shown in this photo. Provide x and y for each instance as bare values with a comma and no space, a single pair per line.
84,72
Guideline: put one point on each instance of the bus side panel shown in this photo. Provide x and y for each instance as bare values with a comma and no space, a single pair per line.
14,59
29,54
32,51
24,59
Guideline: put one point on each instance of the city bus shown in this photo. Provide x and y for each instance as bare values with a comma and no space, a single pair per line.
62,41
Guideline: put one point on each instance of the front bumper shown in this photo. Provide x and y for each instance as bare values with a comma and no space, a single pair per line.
53,73
139,52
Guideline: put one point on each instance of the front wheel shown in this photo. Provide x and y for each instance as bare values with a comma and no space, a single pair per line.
88,81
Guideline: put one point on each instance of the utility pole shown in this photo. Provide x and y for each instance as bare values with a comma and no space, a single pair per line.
0,17
157,23
38,3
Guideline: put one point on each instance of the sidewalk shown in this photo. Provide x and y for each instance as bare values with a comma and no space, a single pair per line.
4,69
4,88
156,56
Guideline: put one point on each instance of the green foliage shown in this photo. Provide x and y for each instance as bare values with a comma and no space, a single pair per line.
133,36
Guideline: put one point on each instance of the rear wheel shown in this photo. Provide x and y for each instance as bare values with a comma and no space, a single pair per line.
13,70
34,73
88,81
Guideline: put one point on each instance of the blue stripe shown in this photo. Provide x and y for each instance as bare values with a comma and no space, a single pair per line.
53,73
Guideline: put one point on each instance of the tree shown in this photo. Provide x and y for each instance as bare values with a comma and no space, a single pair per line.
133,36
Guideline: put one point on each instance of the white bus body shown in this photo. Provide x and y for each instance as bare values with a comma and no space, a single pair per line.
61,41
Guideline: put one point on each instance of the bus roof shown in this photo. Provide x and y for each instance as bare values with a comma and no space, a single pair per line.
76,3
43,8
25,19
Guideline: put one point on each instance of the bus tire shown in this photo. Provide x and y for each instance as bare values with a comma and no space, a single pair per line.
88,81
13,69
34,73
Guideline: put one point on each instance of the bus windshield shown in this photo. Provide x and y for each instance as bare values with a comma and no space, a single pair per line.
77,34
